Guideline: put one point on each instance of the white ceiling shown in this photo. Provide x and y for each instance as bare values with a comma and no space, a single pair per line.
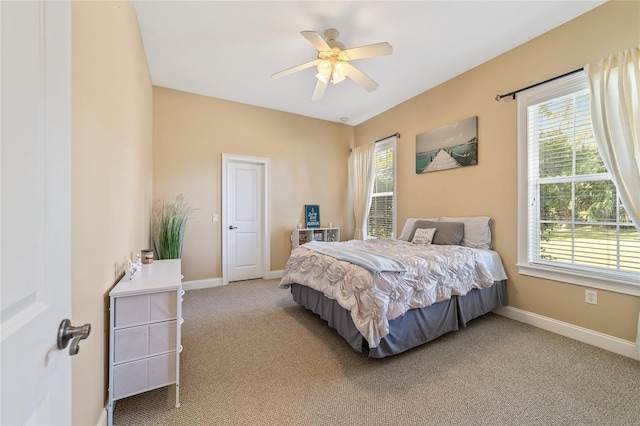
229,49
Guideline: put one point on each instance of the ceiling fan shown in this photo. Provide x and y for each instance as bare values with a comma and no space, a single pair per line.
333,61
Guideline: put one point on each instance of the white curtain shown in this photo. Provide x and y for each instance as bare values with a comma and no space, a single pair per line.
615,114
614,84
361,174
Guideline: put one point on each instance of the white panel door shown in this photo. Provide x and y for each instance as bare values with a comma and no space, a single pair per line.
35,218
245,220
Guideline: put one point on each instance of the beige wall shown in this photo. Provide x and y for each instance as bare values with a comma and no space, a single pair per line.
111,186
490,188
308,166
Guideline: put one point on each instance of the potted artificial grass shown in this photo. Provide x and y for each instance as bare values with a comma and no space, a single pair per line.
170,224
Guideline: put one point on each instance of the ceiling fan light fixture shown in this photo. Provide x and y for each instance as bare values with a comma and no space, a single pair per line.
325,67
324,71
336,80
323,78
340,70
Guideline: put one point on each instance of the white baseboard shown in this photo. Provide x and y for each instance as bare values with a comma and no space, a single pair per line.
102,420
198,284
216,282
603,341
275,274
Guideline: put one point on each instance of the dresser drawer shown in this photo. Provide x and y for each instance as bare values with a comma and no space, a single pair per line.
145,340
133,310
138,376
162,370
129,378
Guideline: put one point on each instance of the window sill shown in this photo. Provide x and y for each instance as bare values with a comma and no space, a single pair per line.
613,284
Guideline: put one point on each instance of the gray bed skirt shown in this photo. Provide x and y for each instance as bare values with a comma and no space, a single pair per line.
415,327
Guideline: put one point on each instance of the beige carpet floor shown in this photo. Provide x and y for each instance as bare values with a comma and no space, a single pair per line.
253,357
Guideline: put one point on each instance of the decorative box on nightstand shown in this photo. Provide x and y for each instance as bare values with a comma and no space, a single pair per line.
144,338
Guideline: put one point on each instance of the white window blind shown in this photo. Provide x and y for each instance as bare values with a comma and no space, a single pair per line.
575,221
381,218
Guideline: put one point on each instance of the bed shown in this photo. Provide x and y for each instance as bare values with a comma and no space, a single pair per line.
386,296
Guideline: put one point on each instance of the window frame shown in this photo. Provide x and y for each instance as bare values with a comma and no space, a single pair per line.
605,280
389,143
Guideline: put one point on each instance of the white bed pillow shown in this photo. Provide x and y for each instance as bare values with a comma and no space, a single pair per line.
423,236
477,230
408,227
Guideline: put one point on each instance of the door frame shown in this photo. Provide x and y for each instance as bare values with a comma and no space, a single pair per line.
266,225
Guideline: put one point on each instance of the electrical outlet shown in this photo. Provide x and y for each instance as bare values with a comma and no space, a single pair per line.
591,296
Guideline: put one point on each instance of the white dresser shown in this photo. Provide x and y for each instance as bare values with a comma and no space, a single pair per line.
144,338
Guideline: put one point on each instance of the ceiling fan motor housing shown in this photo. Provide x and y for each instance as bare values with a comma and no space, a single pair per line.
331,35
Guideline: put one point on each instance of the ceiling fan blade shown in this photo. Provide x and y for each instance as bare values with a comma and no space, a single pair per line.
318,92
378,49
361,78
295,69
317,40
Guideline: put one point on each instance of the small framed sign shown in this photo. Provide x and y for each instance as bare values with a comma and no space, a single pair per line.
312,215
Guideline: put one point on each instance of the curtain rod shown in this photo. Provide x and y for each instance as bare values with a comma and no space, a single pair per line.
513,94
396,134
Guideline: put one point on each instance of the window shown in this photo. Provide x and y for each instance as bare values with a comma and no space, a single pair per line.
381,218
572,226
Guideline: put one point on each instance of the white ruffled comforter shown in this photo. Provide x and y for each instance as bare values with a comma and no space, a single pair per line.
433,273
